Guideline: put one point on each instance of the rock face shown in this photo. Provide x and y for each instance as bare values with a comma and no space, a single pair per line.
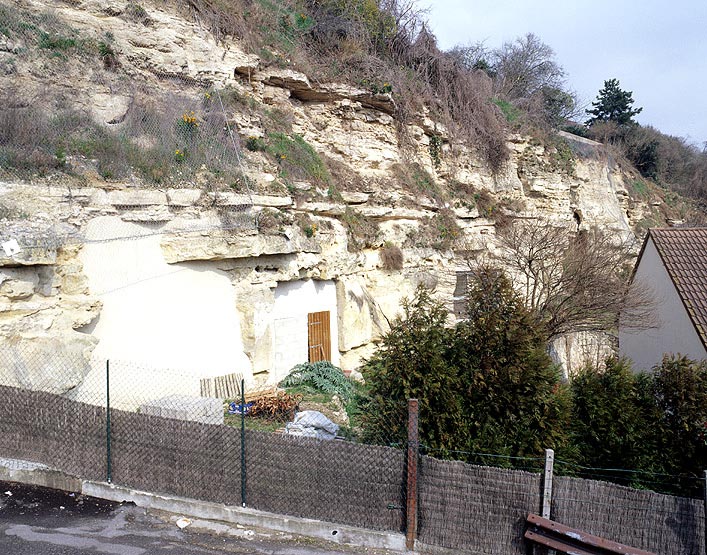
78,241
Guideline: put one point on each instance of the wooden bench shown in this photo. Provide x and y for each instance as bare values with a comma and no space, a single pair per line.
550,534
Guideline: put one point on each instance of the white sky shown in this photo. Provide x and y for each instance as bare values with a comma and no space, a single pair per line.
656,49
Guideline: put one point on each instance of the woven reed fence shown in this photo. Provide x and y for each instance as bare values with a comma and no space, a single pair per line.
466,508
178,457
475,508
335,481
49,429
644,519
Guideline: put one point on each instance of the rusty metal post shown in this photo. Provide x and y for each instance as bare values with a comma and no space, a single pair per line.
412,459
547,483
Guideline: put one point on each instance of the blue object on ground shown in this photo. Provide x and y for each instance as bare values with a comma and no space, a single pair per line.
237,408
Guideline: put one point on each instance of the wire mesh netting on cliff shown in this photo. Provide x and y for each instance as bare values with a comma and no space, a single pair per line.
168,140
117,126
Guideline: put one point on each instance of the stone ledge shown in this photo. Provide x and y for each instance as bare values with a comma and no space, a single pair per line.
139,197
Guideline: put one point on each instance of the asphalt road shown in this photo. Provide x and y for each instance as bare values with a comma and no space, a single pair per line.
37,521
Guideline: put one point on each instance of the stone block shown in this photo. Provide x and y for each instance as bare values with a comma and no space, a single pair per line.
183,197
184,407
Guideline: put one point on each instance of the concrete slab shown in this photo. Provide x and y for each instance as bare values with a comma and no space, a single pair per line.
37,474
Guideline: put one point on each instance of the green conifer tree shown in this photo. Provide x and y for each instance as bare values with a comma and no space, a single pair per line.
613,104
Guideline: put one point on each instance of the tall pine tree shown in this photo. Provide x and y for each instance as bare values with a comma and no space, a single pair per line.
613,104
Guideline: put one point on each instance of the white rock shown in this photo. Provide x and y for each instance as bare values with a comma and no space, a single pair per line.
183,197
353,197
137,197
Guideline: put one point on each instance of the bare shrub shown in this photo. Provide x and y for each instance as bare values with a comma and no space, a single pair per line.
391,257
271,221
525,67
415,179
460,96
576,281
346,178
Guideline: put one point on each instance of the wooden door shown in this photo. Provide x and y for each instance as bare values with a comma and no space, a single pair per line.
319,335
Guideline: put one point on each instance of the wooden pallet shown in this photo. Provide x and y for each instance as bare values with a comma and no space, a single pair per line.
222,387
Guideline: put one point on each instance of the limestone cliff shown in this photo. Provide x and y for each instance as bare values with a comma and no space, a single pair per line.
206,275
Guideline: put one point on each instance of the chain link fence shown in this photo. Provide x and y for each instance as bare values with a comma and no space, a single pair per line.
297,451
199,436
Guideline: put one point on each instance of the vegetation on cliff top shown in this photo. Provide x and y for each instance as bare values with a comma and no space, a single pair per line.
475,95
671,162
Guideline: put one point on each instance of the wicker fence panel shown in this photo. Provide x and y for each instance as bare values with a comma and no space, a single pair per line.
179,457
659,523
335,481
473,508
49,429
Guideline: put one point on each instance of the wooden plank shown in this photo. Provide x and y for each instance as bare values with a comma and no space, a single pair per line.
556,544
326,335
573,537
221,387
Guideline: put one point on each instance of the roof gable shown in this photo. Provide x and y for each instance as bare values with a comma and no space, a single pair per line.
683,252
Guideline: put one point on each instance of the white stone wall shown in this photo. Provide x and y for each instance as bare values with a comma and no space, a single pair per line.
180,317
675,332
288,321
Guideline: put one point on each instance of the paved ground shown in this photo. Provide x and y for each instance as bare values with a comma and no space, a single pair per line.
42,521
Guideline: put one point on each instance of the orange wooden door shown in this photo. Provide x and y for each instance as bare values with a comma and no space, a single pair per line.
319,335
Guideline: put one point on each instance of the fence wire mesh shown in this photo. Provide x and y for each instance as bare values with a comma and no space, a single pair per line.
200,436
216,438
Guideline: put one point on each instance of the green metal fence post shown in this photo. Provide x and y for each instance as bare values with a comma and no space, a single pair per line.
109,461
413,455
243,472
705,505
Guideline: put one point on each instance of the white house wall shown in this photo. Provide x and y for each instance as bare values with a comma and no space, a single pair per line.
170,317
675,332
288,320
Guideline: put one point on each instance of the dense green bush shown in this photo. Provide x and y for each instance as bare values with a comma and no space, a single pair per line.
413,362
680,390
614,420
486,385
515,400
652,426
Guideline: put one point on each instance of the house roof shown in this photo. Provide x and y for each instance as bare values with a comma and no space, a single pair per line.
684,255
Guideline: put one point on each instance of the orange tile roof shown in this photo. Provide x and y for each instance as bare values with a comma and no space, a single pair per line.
684,255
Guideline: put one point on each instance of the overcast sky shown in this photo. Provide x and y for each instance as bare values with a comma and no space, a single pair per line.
656,49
